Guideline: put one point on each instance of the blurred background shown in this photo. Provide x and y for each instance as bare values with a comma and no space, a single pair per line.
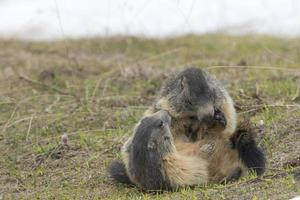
51,19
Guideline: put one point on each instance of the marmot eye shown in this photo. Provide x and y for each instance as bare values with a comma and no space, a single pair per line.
161,123
166,138
216,110
193,118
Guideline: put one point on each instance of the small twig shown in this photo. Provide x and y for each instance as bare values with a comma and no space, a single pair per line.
7,124
53,104
296,96
160,55
251,110
262,106
286,58
271,105
29,128
95,90
35,82
107,74
257,67
105,86
8,121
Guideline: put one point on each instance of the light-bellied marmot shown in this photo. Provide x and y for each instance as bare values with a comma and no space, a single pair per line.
202,113
152,161
195,100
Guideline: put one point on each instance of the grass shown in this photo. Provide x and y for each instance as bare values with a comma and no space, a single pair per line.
96,89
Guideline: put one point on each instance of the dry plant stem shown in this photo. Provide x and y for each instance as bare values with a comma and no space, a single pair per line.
257,67
29,128
48,87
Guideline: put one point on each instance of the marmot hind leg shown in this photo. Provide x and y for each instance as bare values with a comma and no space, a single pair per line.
250,154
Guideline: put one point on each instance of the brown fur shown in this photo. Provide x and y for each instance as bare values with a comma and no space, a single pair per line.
222,159
184,170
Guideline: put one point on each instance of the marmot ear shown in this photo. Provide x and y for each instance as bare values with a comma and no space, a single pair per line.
183,82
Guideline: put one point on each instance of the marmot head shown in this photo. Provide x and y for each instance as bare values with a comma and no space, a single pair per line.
152,134
152,140
195,94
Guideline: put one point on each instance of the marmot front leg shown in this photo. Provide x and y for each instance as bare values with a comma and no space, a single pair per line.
233,176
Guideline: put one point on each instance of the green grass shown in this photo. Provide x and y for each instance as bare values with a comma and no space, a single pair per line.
96,89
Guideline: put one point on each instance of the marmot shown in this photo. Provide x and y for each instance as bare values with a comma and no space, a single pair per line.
203,113
203,117
192,97
152,161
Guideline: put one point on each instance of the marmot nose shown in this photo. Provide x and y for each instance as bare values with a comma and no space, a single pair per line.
220,118
164,116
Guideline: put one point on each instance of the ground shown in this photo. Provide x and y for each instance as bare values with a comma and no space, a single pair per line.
94,91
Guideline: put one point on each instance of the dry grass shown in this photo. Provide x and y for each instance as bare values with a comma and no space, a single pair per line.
95,90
